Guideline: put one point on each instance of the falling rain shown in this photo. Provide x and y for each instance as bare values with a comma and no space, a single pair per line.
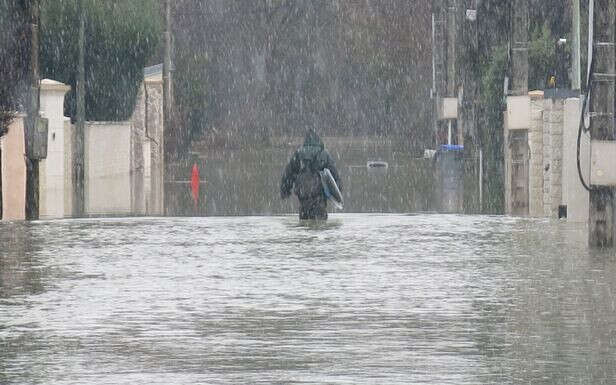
290,191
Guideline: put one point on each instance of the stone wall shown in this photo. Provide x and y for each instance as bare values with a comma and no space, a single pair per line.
553,178
535,138
147,142
552,156
125,160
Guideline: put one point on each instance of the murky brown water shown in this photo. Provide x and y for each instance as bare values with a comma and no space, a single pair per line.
363,299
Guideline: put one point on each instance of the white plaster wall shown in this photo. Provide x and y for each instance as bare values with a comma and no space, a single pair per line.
14,172
108,168
575,195
52,169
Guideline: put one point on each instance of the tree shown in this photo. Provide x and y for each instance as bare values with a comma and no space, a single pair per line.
13,64
120,38
274,66
549,21
13,59
388,65
542,58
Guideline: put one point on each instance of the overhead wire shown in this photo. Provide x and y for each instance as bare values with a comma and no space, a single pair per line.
579,138
587,97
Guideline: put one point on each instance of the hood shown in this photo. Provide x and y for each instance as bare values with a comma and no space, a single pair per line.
312,139
311,148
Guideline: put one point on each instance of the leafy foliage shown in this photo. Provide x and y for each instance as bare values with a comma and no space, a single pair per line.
13,59
120,37
547,59
549,21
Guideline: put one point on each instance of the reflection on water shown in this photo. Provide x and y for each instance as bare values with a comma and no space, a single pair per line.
246,180
435,299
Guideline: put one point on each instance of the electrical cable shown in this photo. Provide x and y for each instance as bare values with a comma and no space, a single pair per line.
579,168
587,98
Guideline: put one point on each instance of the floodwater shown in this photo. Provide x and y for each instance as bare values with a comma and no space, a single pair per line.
361,299
245,179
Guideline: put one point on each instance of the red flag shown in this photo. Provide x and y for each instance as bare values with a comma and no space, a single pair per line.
194,184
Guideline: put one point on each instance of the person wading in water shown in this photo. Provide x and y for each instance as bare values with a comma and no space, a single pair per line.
301,175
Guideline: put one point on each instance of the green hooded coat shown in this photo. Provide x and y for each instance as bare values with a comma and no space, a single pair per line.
301,175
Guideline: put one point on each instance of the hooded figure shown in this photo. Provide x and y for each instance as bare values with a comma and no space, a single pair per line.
302,176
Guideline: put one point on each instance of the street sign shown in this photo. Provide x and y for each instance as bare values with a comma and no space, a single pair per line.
471,14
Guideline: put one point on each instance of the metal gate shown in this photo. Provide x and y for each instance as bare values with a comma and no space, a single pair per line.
519,172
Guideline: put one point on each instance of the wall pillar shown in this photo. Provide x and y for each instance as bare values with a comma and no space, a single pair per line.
552,156
147,151
52,171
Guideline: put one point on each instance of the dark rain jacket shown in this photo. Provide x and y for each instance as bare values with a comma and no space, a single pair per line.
301,176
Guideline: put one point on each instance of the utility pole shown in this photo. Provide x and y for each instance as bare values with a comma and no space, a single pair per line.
167,97
32,162
451,48
575,46
448,170
602,88
78,138
451,62
519,49
468,71
439,65
516,141
167,68
467,96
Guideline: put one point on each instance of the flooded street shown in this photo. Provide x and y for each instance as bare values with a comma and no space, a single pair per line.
362,299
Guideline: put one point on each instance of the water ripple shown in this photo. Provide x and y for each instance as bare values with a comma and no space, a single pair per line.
360,299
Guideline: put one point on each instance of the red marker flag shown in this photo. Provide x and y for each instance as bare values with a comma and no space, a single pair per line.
194,184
